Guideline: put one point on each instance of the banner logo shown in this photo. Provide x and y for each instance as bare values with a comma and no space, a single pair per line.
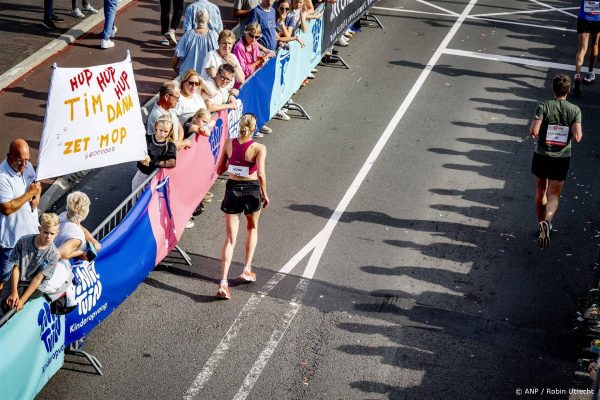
88,289
233,119
49,327
215,140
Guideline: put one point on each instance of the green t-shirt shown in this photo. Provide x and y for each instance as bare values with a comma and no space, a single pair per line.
558,117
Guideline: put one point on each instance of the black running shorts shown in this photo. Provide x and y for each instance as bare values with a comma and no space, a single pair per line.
585,26
241,196
553,168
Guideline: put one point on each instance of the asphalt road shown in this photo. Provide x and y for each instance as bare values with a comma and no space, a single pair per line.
429,285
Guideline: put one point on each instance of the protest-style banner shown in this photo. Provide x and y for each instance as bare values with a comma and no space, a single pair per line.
93,120
339,16
32,346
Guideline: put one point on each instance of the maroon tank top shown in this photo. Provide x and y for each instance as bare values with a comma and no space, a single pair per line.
238,155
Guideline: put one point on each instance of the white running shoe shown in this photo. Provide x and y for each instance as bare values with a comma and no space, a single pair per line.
189,224
106,44
281,115
90,9
76,12
590,77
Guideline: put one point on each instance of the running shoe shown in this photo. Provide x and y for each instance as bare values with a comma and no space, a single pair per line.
48,23
223,293
199,210
577,87
589,77
89,9
248,276
342,41
56,18
311,76
76,12
258,135
165,43
189,224
544,234
281,114
207,197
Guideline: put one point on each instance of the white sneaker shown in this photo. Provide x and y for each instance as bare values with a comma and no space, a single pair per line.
342,41
106,44
189,224
113,32
281,115
590,77
311,76
265,129
76,12
90,9
170,36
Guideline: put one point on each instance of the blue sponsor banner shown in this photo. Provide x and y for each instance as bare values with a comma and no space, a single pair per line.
255,94
31,350
127,257
294,65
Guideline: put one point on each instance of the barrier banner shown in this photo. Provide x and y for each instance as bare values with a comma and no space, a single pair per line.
256,93
126,258
339,16
32,350
293,65
93,119
195,173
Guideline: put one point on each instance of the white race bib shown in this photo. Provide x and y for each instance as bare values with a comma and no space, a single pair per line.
591,7
557,135
239,171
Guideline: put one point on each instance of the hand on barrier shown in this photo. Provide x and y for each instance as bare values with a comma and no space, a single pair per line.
13,300
299,41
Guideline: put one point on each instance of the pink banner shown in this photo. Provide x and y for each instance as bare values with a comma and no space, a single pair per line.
188,182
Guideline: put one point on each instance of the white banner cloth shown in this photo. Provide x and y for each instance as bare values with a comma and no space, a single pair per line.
93,119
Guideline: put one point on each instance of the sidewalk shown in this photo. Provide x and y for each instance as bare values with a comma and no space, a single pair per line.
29,50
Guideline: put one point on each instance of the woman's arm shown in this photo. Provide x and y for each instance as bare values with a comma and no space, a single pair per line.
261,156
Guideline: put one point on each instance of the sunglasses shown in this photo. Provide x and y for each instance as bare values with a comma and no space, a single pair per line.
193,83
255,37
284,9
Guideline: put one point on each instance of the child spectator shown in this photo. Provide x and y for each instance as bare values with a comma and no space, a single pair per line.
162,151
284,27
34,258
200,123
297,15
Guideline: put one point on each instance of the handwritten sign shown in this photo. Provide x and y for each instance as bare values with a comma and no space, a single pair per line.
92,120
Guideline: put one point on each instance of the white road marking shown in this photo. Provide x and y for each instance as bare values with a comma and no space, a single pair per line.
413,11
503,21
438,7
553,8
323,236
523,12
513,60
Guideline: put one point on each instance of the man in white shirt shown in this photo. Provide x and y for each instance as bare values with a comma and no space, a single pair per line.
19,197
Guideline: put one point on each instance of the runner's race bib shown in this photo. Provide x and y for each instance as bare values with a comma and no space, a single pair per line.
239,171
557,135
591,7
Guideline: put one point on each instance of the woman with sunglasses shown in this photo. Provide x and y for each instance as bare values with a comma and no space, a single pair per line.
194,45
245,191
191,100
223,55
251,54
284,27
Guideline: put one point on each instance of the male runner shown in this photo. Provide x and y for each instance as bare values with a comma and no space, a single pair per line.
588,28
556,122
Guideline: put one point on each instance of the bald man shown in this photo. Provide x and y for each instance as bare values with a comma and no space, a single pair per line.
19,197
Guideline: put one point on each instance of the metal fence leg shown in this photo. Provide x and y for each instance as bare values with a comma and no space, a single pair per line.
372,18
290,105
337,58
185,256
75,349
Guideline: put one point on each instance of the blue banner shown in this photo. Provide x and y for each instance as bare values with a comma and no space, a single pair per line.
294,65
31,350
125,260
255,94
